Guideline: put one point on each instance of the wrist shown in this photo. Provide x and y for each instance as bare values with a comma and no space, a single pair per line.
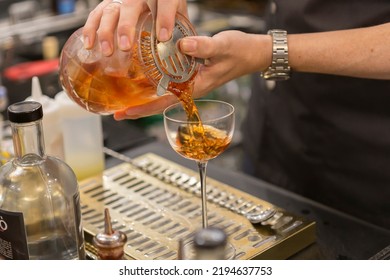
260,56
267,52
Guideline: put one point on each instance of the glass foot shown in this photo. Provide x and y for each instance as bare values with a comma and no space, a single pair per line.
191,253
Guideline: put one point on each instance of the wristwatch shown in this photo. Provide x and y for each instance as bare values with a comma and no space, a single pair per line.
279,69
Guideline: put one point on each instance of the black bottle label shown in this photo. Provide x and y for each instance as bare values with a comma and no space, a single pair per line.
13,238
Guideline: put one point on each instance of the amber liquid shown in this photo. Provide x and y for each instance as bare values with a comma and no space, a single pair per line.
195,140
201,142
104,90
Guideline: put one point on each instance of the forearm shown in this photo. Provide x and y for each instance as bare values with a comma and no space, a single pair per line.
363,52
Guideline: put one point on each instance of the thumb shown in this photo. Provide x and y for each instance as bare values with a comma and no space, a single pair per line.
198,46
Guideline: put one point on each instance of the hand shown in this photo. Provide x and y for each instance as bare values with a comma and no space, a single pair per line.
111,19
228,55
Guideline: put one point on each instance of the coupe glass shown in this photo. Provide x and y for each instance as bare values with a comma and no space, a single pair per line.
200,139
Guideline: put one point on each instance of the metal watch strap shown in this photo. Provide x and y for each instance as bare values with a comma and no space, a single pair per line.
279,69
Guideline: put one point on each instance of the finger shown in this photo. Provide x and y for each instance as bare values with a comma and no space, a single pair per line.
165,19
92,24
166,13
152,108
200,46
128,19
107,27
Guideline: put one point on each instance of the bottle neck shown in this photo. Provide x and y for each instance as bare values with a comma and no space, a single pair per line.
28,140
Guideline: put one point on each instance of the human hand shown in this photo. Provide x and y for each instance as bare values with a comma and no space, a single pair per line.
110,19
228,55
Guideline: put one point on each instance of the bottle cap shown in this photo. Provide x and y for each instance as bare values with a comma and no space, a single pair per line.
25,111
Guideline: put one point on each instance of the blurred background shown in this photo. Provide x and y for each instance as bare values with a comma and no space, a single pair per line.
33,32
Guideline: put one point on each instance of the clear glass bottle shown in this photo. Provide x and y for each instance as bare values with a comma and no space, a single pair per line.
40,214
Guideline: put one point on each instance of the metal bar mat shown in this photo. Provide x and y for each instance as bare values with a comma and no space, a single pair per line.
156,203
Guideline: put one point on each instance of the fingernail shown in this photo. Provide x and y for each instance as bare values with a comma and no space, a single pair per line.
106,48
124,42
188,45
163,35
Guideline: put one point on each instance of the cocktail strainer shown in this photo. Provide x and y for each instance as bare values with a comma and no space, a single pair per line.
163,61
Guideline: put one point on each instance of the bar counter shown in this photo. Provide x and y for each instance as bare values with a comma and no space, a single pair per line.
338,235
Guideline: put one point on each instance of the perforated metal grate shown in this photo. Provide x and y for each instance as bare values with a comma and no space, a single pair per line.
156,203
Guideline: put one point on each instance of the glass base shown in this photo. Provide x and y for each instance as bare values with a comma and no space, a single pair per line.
189,253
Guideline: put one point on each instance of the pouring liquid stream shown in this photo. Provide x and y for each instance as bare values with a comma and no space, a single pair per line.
196,140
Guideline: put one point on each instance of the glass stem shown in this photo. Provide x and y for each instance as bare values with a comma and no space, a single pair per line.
202,165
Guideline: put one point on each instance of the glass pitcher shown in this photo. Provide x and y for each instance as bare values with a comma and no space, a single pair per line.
104,85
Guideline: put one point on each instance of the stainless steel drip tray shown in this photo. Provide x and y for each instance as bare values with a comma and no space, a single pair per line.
156,203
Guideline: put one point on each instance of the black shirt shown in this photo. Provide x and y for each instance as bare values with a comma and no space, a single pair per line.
325,137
